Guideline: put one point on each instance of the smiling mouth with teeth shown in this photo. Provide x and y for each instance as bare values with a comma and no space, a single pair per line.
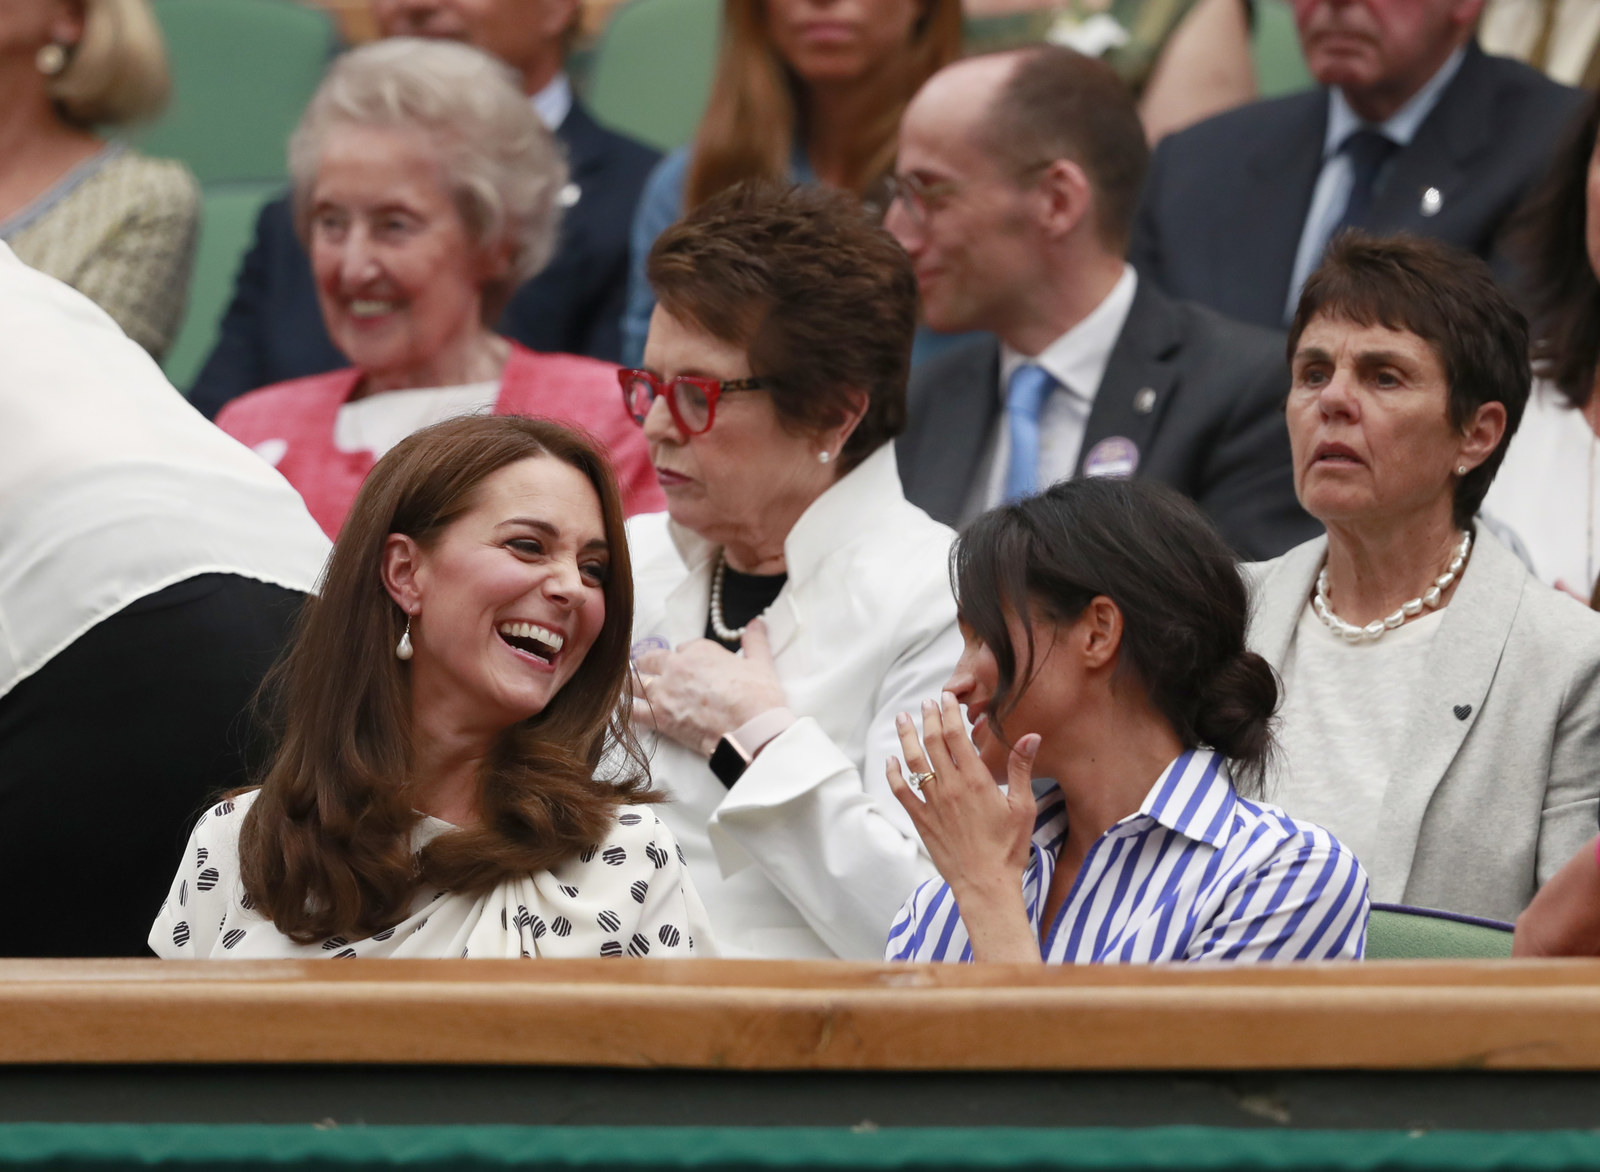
530,638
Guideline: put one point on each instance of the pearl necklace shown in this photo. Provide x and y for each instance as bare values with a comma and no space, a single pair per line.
724,632
1431,598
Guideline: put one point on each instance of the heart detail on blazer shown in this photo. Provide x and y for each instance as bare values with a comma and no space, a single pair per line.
1462,711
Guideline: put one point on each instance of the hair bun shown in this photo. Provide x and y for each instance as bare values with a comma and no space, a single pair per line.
1234,710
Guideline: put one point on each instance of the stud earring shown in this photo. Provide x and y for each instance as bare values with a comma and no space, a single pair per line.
51,59
403,648
823,457
1461,471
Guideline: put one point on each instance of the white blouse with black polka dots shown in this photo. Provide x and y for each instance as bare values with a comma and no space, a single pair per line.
630,895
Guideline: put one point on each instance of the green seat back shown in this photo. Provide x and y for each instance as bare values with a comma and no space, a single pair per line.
227,225
1397,933
1280,66
242,72
651,73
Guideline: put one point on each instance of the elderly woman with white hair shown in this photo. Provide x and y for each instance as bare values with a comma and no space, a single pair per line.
114,224
426,190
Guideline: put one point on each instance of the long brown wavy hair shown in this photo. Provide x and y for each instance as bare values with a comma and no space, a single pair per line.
750,121
326,848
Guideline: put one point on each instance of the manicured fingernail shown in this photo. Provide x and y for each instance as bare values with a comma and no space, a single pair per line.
948,697
929,706
902,720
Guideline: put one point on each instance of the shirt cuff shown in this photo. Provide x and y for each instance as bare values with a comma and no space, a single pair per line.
753,735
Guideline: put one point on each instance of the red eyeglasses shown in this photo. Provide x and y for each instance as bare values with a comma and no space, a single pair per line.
691,399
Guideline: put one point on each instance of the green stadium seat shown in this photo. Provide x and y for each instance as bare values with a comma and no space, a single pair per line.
227,225
242,72
651,72
1280,67
1395,932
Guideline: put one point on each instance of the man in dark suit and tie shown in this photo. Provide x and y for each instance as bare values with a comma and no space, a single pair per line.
1018,177
273,329
1415,130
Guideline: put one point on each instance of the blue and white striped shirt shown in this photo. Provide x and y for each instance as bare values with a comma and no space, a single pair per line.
1199,873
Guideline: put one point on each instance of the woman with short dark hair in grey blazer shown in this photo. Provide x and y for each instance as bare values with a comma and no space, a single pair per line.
1442,706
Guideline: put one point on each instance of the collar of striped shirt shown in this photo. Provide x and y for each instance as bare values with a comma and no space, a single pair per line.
1198,873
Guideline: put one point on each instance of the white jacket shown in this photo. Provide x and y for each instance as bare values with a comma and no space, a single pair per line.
810,855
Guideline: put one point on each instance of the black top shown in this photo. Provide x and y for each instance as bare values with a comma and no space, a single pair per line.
744,597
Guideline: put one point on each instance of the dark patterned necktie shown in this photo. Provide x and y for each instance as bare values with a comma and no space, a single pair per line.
1368,151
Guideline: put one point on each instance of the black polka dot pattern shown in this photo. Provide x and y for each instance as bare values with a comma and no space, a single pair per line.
614,856
561,926
183,894
629,819
681,859
333,942
200,856
611,948
609,921
246,902
569,891
207,879
386,934
180,933
223,809
668,936
588,854
229,939
638,946
345,955
656,855
639,890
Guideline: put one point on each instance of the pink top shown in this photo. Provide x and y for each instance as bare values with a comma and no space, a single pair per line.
565,388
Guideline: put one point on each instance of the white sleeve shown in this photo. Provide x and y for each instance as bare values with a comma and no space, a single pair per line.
833,839
672,922
190,920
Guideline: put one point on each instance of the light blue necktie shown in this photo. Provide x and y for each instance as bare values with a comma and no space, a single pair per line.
1026,392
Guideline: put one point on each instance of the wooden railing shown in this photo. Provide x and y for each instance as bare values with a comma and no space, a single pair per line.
710,1014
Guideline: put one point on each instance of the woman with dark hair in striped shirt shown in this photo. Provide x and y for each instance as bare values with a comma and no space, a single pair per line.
1104,624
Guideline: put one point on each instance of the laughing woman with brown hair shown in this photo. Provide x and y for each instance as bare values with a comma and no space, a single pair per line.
446,705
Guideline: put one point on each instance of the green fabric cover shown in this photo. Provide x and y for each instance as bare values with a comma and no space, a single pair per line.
227,226
105,1146
651,73
1399,936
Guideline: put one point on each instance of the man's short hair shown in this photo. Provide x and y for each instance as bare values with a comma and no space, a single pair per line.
1449,299
1058,104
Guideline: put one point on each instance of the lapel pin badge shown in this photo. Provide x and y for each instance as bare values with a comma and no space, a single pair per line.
1145,401
1462,711
1117,456
1432,202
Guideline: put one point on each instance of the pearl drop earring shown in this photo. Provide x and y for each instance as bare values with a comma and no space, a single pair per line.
403,648
823,457
51,59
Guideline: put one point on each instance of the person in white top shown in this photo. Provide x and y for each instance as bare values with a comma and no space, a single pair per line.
1442,706
444,710
150,569
1548,492
774,379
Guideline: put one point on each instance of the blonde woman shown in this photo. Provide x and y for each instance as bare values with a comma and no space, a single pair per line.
805,91
118,227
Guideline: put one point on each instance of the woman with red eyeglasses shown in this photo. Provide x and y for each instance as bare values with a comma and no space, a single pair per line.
791,600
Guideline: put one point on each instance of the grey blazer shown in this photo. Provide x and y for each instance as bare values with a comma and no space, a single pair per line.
1501,779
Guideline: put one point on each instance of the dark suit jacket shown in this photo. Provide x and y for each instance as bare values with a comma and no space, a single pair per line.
273,329
1226,200
1215,433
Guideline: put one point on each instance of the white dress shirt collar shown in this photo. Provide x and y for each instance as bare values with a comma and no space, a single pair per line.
554,102
1077,359
1401,126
